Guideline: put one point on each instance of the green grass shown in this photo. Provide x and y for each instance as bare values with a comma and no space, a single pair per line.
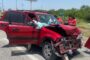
84,26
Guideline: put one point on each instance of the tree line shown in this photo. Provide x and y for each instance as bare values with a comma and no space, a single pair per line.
82,13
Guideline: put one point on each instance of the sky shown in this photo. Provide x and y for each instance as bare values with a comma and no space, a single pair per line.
44,4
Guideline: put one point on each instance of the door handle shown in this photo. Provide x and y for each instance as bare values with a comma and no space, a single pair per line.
15,29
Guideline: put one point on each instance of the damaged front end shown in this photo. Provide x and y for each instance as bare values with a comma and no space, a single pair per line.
70,41
65,44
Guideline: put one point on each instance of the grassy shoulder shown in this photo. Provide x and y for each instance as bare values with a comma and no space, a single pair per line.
84,26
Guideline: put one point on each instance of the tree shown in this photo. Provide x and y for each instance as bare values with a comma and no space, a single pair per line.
82,13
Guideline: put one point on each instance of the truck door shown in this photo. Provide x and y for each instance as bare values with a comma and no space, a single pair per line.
18,32
35,32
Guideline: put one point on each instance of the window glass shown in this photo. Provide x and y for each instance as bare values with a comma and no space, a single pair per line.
48,19
7,17
15,17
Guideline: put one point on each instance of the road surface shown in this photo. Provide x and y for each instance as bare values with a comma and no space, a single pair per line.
19,53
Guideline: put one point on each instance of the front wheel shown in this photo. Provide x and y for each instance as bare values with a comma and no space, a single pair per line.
48,52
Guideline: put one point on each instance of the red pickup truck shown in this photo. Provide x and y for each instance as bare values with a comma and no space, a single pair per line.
41,29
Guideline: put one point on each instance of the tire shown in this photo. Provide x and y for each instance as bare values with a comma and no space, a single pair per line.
48,52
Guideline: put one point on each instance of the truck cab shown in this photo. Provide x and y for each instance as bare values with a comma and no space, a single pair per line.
41,29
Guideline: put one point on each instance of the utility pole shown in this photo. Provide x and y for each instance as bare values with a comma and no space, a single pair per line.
22,5
2,5
31,3
16,5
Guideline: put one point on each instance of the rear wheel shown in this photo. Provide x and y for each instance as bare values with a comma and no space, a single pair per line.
48,52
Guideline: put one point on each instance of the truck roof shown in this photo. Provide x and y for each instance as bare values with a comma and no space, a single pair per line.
28,11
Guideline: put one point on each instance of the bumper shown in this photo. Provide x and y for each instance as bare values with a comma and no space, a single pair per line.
68,45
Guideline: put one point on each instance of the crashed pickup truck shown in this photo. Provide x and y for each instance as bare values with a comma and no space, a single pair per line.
41,29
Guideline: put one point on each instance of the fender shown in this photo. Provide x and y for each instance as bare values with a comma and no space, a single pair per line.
53,37
50,36
3,38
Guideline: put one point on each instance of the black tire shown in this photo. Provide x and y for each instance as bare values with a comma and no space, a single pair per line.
48,52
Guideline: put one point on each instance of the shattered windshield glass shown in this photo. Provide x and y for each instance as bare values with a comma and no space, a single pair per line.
47,19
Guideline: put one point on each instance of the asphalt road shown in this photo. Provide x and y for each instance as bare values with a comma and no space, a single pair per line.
19,53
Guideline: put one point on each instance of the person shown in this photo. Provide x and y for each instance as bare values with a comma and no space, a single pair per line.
72,21
39,24
60,20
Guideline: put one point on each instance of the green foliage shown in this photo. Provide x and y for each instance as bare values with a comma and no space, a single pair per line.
82,13
87,17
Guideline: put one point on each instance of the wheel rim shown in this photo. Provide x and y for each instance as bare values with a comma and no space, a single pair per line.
47,51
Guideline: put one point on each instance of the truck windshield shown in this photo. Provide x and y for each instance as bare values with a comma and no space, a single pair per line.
47,19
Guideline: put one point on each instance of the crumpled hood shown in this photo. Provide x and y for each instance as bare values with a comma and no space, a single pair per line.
57,29
64,30
67,27
70,29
